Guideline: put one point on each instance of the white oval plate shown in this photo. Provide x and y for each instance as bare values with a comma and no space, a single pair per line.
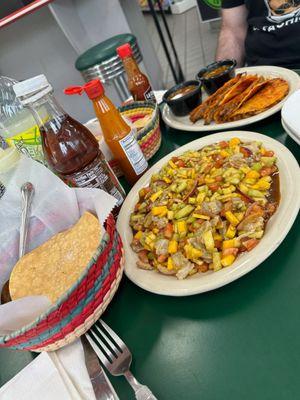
291,117
292,134
277,228
184,123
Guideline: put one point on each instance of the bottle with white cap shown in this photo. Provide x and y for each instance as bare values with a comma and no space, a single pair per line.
17,125
70,149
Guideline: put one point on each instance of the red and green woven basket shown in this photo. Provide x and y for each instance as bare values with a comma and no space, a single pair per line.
149,137
81,306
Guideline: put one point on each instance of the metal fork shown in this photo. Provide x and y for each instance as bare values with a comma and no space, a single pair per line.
115,356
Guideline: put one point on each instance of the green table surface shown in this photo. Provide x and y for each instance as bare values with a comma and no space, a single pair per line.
237,342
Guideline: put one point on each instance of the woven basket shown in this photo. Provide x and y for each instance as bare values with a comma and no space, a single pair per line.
149,137
81,306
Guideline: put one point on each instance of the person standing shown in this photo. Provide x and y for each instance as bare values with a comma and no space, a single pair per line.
260,32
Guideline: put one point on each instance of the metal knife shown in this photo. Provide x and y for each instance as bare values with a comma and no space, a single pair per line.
103,389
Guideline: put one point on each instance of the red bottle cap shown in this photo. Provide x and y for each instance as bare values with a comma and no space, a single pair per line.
73,90
93,89
124,51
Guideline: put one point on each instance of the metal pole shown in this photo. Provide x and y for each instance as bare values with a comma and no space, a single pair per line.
153,12
180,73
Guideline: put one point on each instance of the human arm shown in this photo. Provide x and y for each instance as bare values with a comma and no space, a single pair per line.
231,43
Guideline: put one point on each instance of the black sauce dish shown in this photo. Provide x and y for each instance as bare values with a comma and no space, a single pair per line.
212,84
187,102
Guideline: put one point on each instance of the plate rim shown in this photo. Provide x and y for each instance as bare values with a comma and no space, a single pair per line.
288,122
294,77
290,132
292,172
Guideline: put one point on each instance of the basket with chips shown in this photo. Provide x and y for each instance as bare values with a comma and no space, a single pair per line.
75,310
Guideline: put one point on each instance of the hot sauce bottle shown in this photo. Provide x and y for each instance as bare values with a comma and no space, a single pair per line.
118,135
138,83
70,149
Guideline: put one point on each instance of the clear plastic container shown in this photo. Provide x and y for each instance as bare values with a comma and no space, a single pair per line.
17,126
9,158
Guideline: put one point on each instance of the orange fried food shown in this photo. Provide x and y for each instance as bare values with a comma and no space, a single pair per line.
224,112
239,87
199,111
269,95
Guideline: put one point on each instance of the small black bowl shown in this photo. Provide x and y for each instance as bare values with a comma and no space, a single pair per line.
212,84
186,103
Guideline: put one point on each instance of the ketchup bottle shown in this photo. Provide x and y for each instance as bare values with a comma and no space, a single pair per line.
70,149
118,135
138,83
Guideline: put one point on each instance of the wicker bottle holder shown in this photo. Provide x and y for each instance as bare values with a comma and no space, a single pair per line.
77,310
149,137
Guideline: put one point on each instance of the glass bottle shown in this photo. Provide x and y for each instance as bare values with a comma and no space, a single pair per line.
118,135
70,149
138,83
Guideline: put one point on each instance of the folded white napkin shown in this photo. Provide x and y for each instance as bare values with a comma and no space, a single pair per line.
61,375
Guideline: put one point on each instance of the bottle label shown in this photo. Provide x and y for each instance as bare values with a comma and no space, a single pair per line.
29,143
134,153
149,95
95,175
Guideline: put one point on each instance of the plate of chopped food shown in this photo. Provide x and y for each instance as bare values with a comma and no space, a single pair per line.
255,93
209,212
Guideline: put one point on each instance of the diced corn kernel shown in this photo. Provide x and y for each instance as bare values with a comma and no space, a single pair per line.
201,197
227,244
173,247
181,227
155,230
231,218
192,200
173,165
138,235
152,236
156,195
170,264
224,153
159,210
227,260
234,141
196,253
240,215
167,180
149,243
217,236
201,216
170,171
262,185
209,180
208,240
266,178
191,252
170,214
229,189
252,174
245,169
231,231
